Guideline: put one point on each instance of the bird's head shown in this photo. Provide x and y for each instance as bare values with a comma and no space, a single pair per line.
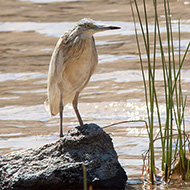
89,26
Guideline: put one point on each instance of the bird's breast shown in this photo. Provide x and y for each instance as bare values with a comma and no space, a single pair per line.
82,64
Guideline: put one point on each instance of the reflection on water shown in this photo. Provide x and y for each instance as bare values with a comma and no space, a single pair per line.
50,1
57,29
134,182
113,110
10,135
134,75
37,113
29,91
9,98
111,58
116,76
47,49
20,76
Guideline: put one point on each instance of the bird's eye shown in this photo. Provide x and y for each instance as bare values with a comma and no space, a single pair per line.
89,25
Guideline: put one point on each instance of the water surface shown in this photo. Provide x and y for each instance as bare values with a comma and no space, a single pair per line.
115,92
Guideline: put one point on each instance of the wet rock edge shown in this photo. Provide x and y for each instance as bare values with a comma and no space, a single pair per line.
59,165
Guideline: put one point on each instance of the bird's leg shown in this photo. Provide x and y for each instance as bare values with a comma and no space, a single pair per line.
61,116
75,103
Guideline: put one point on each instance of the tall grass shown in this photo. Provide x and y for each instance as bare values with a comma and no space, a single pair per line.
174,100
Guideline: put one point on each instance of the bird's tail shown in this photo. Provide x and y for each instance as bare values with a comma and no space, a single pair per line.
46,104
52,106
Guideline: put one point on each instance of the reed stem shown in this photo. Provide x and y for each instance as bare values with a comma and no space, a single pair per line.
174,102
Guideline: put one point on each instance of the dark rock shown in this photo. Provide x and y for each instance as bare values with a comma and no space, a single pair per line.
59,165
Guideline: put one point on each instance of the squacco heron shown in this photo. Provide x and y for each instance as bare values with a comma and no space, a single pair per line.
72,64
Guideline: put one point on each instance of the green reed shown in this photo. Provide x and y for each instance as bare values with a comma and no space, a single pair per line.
174,100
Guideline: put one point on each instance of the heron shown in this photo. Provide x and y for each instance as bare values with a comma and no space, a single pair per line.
72,63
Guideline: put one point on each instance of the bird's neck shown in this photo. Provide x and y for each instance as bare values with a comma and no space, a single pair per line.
85,36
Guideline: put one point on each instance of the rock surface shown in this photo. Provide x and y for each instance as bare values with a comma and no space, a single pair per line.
59,165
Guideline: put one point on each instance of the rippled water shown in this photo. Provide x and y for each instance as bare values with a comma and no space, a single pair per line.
58,28
115,93
48,1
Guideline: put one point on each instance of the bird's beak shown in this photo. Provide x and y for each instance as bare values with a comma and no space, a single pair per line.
104,27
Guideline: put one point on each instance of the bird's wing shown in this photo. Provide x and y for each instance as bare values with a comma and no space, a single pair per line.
57,62
64,51
57,65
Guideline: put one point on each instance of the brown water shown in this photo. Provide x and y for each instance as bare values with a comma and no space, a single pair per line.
28,33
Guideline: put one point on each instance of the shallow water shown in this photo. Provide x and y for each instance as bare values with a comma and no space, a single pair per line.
115,92
49,1
56,29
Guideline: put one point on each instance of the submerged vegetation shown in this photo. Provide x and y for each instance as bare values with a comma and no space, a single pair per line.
172,135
